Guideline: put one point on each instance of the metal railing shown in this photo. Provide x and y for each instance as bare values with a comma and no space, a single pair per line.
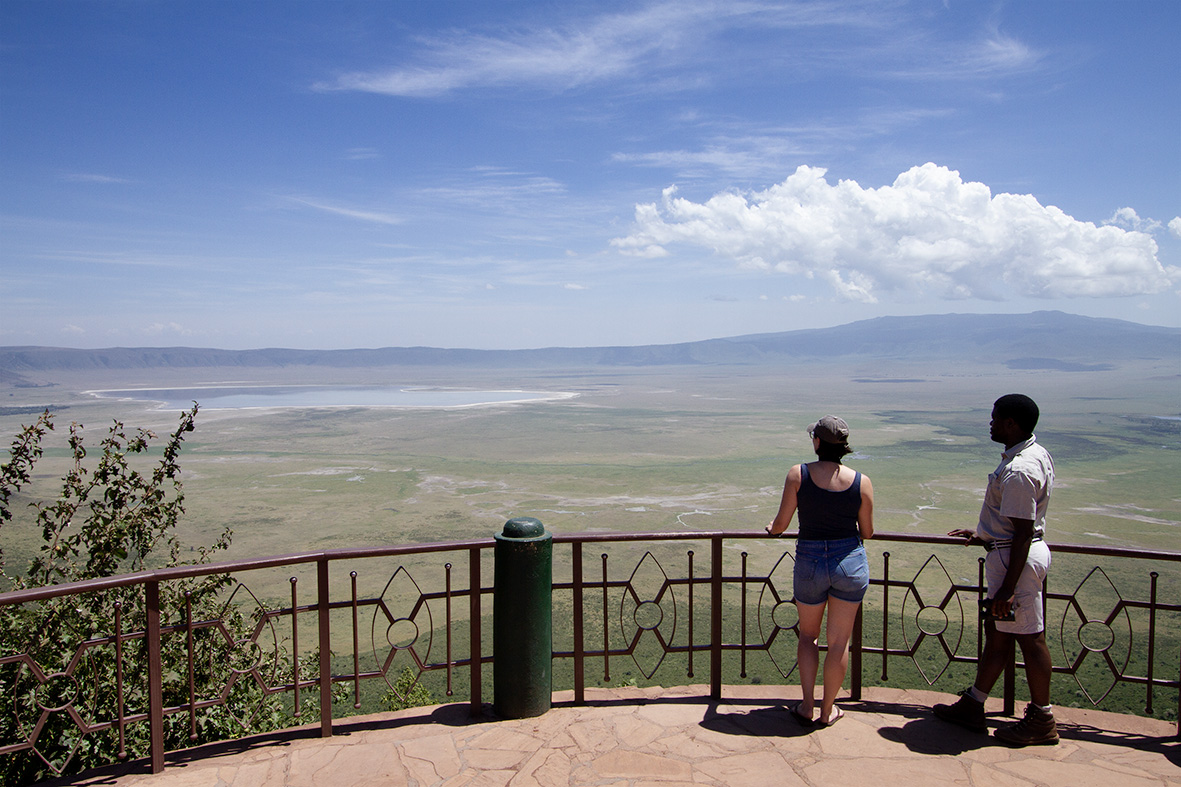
729,611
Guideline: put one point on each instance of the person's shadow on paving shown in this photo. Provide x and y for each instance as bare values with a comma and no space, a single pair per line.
762,722
925,734
914,727
928,735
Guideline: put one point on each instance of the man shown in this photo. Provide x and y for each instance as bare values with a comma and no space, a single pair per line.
1012,527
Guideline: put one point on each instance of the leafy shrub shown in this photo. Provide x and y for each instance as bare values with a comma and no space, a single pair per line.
407,692
116,516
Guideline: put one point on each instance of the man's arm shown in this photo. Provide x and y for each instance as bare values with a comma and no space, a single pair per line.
1002,601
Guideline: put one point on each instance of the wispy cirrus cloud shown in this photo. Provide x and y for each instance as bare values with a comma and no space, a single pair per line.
495,187
747,151
638,45
989,54
374,217
546,57
362,154
91,177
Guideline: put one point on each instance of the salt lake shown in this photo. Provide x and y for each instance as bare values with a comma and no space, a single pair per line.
316,396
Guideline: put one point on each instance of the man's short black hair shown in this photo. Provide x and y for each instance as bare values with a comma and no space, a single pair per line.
1020,408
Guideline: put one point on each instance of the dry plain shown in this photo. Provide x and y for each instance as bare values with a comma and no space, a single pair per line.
639,449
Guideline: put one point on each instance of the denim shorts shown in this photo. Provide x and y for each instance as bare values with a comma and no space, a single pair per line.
837,568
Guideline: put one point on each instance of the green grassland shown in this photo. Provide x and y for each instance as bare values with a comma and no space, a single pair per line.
642,449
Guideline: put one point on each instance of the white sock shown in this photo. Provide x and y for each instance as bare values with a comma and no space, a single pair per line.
977,695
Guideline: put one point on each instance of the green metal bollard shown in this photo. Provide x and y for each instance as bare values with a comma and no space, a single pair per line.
522,622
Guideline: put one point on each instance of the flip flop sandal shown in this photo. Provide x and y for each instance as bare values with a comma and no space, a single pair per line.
837,715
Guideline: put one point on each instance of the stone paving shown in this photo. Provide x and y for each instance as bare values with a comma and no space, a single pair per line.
676,736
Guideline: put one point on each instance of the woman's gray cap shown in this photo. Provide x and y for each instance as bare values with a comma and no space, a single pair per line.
830,429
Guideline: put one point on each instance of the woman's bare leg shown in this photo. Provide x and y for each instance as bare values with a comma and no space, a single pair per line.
841,616
808,651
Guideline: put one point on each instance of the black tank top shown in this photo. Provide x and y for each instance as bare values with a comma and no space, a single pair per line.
826,515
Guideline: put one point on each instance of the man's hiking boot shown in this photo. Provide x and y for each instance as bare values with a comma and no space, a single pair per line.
966,712
1036,729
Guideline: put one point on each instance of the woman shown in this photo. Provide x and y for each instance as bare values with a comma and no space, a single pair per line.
831,569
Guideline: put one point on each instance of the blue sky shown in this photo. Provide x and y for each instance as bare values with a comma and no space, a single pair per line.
526,174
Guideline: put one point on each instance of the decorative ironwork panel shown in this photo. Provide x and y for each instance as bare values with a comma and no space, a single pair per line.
1096,626
403,629
648,614
777,614
932,613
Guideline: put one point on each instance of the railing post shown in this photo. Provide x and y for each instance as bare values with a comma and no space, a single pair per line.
119,666
715,620
980,594
356,646
325,648
579,642
1010,690
855,657
295,643
742,617
885,613
475,592
450,657
155,676
692,590
606,625
1152,575
522,620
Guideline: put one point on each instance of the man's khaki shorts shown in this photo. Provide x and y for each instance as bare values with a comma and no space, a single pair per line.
1027,597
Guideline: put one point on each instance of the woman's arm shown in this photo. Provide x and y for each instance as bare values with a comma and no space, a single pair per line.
865,513
787,505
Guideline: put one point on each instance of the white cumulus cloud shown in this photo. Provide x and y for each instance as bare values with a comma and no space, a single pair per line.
929,231
1128,219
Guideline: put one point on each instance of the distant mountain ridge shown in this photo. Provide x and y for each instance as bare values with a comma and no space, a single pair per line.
1046,339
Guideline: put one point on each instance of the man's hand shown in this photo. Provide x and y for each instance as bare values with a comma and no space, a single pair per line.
1001,607
1018,554
969,537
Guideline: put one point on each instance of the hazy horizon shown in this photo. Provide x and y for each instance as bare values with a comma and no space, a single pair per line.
559,347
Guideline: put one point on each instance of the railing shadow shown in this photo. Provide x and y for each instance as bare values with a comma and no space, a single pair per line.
452,715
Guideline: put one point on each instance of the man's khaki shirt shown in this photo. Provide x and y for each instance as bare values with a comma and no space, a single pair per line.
1019,488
